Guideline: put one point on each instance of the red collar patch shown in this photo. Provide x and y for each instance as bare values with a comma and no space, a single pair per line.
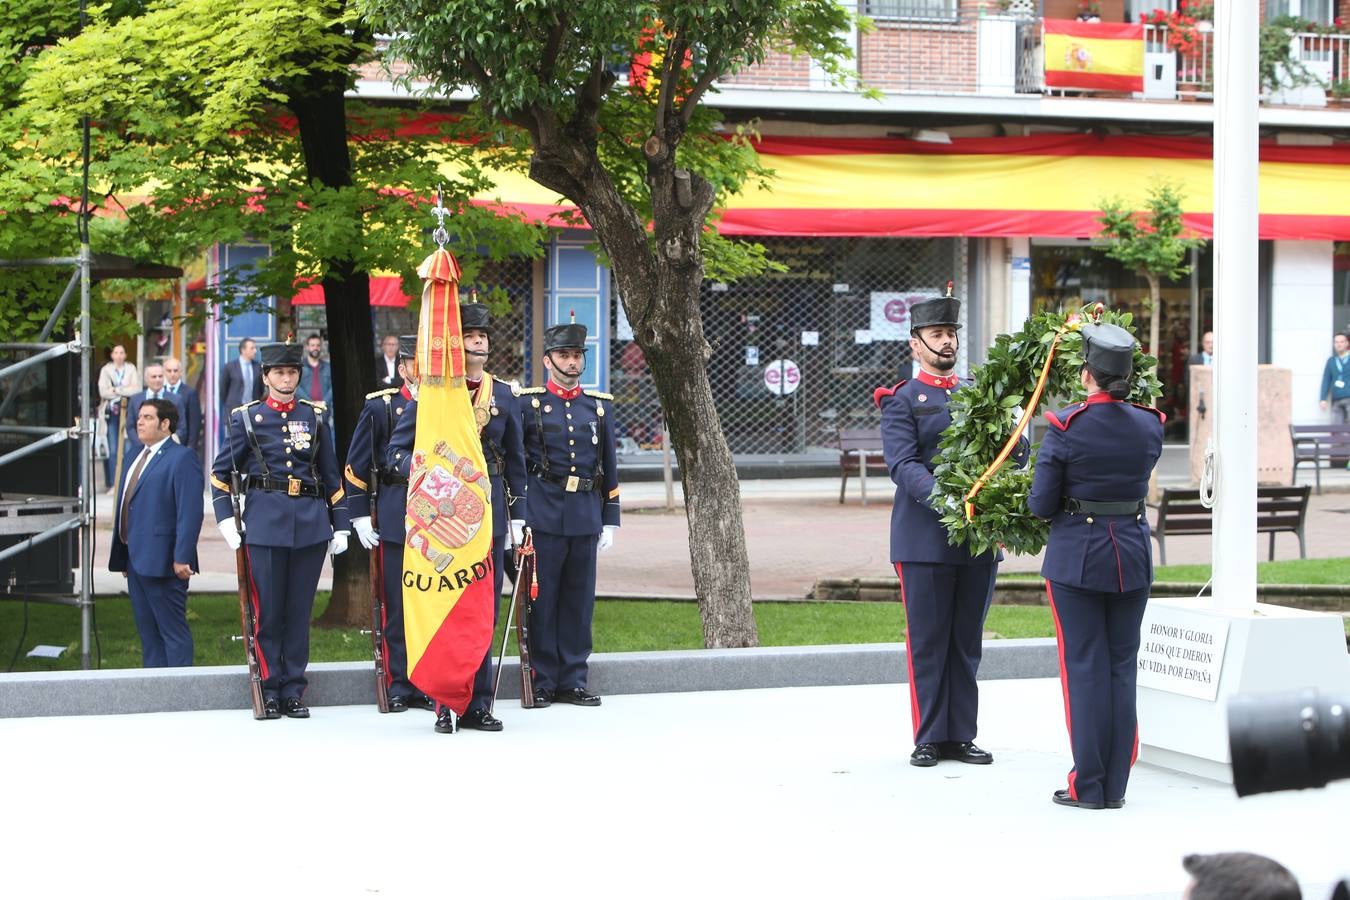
563,393
273,403
405,393
937,381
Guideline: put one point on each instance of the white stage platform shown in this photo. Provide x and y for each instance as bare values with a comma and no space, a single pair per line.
766,793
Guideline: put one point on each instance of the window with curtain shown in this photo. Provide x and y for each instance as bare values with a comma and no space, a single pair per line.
1317,10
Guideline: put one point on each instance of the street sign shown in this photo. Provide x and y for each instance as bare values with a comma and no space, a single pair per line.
782,376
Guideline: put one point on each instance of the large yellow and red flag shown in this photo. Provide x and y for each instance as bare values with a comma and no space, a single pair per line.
1095,56
447,559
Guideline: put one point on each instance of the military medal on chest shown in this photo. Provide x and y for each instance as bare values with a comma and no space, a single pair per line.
298,434
595,437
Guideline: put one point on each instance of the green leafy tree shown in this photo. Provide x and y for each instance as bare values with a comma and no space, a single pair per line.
644,165
229,123
1153,241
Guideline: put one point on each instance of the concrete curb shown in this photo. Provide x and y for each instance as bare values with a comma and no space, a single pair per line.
121,691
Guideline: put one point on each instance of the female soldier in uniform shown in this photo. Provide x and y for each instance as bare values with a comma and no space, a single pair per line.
1091,481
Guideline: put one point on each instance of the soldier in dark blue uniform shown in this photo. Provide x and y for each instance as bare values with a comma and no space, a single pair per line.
497,415
572,508
295,512
1091,481
946,591
383,411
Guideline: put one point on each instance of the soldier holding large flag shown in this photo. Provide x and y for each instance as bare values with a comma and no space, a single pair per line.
447,577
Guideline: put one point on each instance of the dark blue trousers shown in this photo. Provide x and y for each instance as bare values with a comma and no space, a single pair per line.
482,682
159,606
560,617
284,581
395,643
1098,635
945,607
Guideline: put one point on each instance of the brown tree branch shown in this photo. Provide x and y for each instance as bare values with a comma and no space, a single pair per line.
548,65
710,74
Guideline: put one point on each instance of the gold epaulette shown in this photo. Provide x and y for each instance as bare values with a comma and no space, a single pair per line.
599,395
532,390
243,406
373,394
317,404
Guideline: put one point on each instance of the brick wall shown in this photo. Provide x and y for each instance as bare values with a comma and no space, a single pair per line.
779,70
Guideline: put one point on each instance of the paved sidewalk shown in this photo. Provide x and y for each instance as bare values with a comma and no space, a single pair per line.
796,532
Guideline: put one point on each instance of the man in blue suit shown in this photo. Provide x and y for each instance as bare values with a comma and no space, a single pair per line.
190,426
154,390
158,520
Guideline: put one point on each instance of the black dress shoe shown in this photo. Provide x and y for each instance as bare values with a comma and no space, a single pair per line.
446,721
924,755
295,709
271,708
422,701
398,704
966,752
577,697
542,698
480,720
1063,799
1115,804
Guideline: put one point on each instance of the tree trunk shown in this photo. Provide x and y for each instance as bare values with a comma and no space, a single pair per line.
1154,317
660,294
321,116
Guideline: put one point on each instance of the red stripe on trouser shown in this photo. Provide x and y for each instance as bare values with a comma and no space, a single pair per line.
1134,753
384,624
257,616
909,658
1063,680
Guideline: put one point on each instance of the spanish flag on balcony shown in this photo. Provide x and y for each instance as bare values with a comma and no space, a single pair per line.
447,560
1094,56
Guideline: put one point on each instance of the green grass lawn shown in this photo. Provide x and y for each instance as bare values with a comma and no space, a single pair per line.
1282,571
619,624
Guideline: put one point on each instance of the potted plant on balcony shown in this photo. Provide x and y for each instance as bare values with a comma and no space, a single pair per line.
1340,92
1089,11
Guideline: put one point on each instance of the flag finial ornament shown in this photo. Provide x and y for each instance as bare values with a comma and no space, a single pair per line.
440,235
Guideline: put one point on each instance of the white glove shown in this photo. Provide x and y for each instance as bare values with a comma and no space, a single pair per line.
365,533
517,532
606,537
230,532
338,545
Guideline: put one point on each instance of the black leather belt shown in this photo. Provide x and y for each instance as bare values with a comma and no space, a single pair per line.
393,478
569,483
1104,507
493,468
292,487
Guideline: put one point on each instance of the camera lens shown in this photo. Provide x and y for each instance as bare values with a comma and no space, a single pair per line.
1292,741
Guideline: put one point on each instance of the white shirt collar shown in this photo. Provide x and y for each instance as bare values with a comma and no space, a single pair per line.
154,448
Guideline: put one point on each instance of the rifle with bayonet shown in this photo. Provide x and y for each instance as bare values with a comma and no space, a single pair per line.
377,598
247,620
526,588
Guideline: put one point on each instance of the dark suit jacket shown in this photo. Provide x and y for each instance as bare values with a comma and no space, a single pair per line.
164,518
189,413
382,377
232,386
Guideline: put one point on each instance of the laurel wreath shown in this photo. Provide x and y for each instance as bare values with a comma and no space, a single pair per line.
984,415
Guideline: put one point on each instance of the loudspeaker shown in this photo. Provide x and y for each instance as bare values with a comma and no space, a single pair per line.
44,395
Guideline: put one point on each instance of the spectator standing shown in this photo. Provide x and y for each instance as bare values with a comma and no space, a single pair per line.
190,404
386,364
316,375
154,390
1335,393
155,531
240,380
118,380
1206,355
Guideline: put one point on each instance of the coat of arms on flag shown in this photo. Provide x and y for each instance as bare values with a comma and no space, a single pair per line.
448,603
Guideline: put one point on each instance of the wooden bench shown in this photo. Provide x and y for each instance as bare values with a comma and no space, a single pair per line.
1318,443
860,453
1277,509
